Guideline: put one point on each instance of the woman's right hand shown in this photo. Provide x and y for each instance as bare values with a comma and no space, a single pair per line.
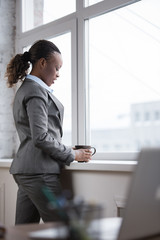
83,155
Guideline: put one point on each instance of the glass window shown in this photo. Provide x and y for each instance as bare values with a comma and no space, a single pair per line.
137,117
146,116
91,2
39,12
62,87
124,72
157,115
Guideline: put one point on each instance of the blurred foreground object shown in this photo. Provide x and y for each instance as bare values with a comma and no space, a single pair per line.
2,231
75,214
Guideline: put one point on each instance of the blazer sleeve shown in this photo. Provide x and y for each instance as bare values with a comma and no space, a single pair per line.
37,111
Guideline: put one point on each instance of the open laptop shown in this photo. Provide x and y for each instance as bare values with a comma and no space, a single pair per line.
142,213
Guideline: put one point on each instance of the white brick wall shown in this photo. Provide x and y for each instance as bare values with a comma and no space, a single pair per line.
7,49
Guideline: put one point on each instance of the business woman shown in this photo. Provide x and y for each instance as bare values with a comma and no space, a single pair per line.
38,116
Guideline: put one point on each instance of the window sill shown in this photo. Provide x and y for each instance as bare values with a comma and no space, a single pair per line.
5,163
93,165
104,165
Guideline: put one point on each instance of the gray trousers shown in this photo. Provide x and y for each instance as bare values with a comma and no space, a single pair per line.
32,202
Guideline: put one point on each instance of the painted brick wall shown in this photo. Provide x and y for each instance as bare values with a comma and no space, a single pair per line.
7,49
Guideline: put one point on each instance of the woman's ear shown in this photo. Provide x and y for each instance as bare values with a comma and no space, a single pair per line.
42,62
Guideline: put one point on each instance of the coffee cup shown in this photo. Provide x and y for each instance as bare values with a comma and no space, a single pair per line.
86,147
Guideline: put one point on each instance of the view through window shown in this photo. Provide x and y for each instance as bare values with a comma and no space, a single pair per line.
62,86
39,12
91,2
124,82
123,87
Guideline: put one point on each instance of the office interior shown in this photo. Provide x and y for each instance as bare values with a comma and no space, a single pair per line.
92,114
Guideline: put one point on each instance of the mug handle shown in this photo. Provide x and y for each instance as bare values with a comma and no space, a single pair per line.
94,150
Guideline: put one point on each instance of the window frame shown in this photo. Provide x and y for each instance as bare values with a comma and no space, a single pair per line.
76,23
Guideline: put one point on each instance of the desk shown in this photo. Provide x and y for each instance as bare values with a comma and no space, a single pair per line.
21,232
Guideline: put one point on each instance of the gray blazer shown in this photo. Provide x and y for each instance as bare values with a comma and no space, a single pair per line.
38,118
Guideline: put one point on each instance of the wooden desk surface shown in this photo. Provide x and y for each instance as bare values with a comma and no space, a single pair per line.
20,232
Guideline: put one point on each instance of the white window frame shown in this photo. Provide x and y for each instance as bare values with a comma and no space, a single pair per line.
76,23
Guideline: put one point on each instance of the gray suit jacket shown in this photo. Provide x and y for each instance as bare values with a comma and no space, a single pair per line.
38,118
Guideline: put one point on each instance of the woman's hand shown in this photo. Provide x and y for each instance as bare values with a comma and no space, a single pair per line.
83,155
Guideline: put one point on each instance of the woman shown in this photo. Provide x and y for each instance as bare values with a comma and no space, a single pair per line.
38,118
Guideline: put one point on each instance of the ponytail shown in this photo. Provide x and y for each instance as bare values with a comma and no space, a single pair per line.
17,68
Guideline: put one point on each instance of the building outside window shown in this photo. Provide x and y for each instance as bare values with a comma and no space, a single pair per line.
137,117
146,116
157,115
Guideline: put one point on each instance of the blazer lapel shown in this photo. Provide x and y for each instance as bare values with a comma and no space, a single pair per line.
58,104
55,100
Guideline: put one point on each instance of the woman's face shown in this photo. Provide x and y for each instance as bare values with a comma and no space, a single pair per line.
51,68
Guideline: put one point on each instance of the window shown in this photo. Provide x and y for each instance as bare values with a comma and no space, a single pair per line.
157,115
39,12
110,76
62,87
147,116
91,2
124,75
137,117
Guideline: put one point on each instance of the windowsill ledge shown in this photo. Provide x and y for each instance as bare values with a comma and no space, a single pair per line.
104,165
93,165
5,163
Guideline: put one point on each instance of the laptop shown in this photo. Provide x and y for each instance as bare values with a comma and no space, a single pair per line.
142,213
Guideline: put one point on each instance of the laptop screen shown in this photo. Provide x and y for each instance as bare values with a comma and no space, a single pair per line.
142,213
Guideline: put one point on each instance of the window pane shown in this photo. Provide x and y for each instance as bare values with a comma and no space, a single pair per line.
62,87
124,70
91,2
39,12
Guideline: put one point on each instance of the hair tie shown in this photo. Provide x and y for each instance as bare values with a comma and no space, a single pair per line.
26,56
